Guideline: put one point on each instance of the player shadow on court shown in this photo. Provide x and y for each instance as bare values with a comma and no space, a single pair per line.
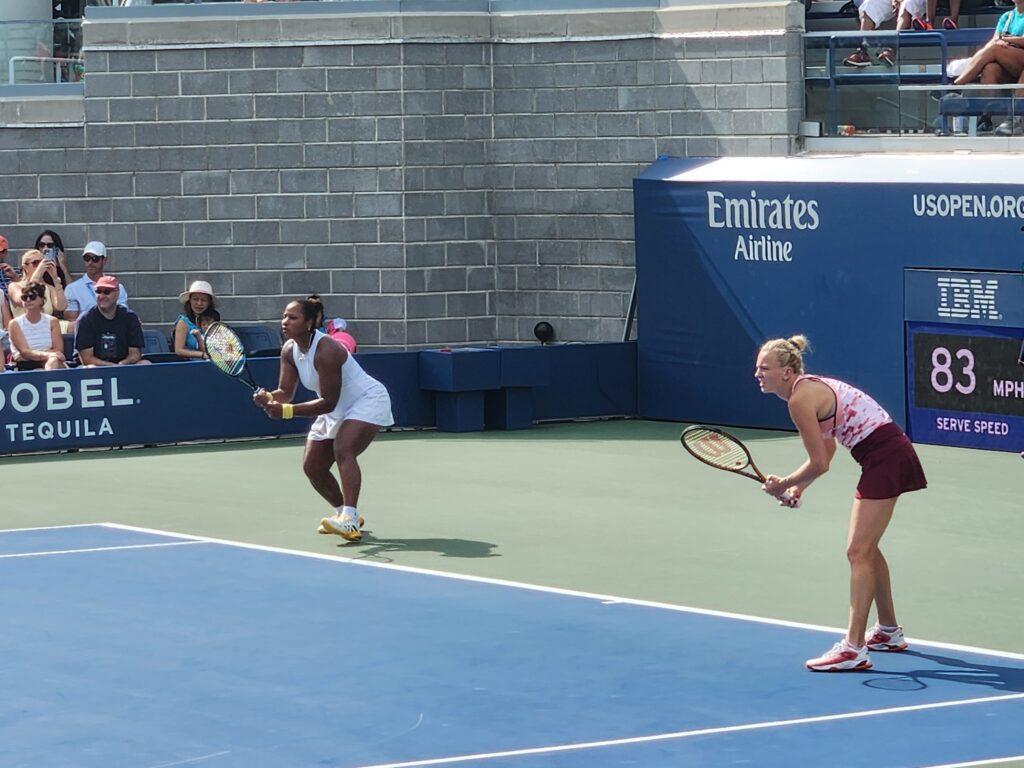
1008,679
372,547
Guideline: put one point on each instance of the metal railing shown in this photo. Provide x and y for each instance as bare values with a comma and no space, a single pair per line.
63,69
55,45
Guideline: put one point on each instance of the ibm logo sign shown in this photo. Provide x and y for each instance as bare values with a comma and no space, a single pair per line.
960,298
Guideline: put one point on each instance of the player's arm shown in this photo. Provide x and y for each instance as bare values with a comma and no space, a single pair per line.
287,382
798,488
803,411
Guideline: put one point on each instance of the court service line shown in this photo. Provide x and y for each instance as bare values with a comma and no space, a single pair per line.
611,600
193,760
99,549
678,735
973,763
48,528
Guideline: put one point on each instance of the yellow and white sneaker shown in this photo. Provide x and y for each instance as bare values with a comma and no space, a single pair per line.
342,525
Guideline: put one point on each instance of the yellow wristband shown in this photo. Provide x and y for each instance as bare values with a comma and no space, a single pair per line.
287,410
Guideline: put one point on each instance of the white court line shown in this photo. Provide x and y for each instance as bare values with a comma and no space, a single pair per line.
192,760
609,599
50,527
990,761
689,734
98,549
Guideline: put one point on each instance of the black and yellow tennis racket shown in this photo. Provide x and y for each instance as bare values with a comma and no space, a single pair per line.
227,353
720,450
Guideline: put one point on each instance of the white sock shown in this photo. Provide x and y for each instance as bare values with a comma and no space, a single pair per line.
338,511
346,510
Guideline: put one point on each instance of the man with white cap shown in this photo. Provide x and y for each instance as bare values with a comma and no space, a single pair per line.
81,294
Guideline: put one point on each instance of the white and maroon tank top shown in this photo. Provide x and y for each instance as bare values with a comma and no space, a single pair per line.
856,416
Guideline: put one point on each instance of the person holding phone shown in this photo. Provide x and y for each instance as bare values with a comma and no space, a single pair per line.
52,248
35,268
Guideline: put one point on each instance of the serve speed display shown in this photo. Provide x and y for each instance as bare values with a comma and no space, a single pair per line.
966,386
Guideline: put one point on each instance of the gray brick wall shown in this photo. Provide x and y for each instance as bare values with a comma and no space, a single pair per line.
435,191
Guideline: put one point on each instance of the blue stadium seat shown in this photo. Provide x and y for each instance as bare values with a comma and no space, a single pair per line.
155,342
259,340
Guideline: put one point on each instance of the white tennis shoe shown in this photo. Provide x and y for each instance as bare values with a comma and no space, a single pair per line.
843,657
879,639
345,526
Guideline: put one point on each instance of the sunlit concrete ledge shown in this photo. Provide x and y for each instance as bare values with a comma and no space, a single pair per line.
43,105
221,24
856,145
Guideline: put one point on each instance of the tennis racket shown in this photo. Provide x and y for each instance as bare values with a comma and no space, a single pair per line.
721,450
227,353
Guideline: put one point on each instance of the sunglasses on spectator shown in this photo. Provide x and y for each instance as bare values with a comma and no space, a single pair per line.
46,242
104,291
92,258
31,296
32,263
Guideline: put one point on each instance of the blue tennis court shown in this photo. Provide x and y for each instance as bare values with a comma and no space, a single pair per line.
138,649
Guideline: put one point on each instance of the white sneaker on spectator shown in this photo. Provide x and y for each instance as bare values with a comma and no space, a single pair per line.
1010,127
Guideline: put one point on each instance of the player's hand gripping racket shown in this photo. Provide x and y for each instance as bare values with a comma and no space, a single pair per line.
723,451
227,353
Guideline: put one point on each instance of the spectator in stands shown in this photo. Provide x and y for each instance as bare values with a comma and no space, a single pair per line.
36,339
34,269
950,22
874,13
49,240
109,333
8,275
198,313
1001,60
335,327
81,293
916,14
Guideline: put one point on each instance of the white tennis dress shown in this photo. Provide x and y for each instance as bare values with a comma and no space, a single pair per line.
363,398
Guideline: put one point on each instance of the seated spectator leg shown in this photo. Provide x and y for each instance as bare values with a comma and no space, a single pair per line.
992,74
978,62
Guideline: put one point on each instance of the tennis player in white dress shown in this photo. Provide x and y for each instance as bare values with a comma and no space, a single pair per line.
349,409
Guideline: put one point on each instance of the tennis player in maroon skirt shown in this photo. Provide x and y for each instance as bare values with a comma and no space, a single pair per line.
826,410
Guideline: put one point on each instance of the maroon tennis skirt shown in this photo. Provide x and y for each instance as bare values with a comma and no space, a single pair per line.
889,464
